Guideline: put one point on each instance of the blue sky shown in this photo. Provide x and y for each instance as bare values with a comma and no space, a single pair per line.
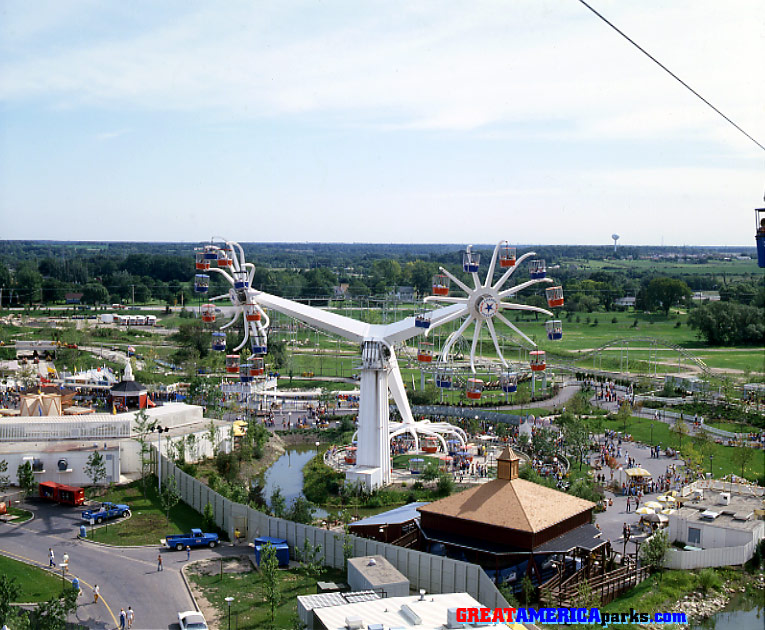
525,120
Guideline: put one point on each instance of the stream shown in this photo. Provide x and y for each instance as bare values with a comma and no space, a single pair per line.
743,612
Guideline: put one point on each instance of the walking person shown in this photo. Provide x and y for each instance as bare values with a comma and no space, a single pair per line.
96,593
130,616
51,558
123,619
159,561
65,561
188,553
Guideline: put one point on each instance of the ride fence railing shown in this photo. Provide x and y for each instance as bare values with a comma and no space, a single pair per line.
435,574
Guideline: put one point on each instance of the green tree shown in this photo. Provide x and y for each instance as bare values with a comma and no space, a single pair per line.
269,571
9,593
52,614
142,426
652,553
26,478
741,455
430,472
728,323
94,293
170,497
277,353
95,469
445,484
301,511
278,502
28,283
208,517
5,479
577,439
664,293
310,559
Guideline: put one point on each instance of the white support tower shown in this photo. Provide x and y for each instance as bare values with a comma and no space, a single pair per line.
380,374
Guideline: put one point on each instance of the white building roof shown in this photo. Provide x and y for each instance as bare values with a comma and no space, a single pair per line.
432,612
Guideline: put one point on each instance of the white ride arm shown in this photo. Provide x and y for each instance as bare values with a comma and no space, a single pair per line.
523,285
396,387
493,333
476,335
456,280
512,269
511,326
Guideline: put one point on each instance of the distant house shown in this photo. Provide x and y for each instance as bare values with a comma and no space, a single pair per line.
73,298
340,291
625,302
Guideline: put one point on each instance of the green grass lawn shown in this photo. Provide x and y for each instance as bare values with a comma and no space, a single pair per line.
297,383
723,463
147,525
249,609
21,515
36,585
402,461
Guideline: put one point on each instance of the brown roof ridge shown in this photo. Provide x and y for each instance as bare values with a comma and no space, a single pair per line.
508,455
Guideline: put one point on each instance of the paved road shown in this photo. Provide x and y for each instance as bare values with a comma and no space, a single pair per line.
126,576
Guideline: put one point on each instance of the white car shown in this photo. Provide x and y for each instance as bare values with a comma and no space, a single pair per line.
192,620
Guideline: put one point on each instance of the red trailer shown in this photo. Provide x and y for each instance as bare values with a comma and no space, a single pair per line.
58,492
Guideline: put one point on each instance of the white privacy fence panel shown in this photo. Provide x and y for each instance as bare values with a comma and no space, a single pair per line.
720,557
435,574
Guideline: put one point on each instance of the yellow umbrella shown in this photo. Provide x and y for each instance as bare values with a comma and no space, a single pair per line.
665,498
637,472
668,511
654,505
644,510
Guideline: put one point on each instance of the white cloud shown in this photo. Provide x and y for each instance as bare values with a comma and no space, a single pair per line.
457,66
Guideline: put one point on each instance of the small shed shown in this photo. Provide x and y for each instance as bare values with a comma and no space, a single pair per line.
397,526
377,574
279,544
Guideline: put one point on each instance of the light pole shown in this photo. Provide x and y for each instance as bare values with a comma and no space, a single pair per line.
160,430
317,447
63,566
652,434
710,466
229,601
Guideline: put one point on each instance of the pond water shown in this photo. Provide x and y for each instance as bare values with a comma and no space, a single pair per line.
287,473
743,612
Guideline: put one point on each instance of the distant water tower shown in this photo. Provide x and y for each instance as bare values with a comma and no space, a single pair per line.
616,238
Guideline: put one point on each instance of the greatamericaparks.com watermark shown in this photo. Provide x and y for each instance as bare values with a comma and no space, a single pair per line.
566,616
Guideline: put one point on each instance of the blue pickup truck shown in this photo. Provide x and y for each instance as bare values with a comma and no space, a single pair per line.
197,538
106,511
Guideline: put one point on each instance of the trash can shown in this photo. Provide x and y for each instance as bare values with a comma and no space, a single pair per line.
83,532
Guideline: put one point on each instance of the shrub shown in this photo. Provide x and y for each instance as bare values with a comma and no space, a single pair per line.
614,320
709,580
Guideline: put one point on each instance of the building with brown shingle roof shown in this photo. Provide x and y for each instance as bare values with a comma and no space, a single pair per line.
509,523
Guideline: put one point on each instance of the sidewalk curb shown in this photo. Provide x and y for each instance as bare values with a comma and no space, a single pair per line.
186,583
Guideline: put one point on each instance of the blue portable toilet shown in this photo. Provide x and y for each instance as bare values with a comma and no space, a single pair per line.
279,544
83,532
76,584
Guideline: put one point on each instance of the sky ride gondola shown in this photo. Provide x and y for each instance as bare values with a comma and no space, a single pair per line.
537,269
244,373
554,329
537,360
224,260
506,255
207,311
251,312
201,283
241,281
759,215
257,366
425,352
554,296
210,254
470,261
232,364
422,321
444,379
429,445
202,264
441,284
509,382
258,345
474,388
219,341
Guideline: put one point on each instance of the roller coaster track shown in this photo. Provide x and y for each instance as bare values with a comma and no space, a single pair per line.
626,341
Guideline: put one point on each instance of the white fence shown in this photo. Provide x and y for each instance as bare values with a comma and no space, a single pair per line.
435,574
721,557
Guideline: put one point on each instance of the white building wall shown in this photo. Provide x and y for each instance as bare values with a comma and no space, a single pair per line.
76,462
